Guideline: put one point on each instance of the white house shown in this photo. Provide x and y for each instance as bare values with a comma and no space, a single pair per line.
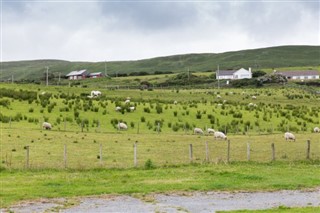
300,75
234,74
75,75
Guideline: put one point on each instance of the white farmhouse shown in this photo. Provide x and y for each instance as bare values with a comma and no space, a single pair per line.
300,75
234,74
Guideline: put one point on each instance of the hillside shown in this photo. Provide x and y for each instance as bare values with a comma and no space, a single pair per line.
272,57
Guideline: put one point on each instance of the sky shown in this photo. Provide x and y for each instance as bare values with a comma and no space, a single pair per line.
132,30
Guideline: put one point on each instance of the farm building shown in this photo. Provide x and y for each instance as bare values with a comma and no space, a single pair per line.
96,75
75,75
300,75
234,74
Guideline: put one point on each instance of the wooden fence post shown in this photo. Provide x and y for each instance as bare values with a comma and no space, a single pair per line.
135,154
308,149
273,152
248,151
27,157
101,154
228,152
207,152
65,156
190,153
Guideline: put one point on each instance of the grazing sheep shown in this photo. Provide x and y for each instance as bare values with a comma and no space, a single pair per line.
118,108
316,129
95,93
127,101
132,108
254,97
220,135
209,130
198,131
175,102
289,136
46,125
219,105
218,96
122,126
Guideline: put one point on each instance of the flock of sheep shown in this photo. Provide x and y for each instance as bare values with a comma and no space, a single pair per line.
216,134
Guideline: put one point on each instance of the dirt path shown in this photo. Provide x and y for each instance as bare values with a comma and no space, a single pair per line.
181,202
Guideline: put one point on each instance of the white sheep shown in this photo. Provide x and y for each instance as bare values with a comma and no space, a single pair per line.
127,101
132,108
220,135
219,105
118,108
175,102
316,130
122,126
209,130
218,96
197,131
46,125
254,97
289,136
95,93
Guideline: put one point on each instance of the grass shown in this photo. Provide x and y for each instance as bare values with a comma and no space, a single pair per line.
18,185
280,209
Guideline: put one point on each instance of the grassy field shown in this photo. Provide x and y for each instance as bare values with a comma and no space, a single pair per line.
163,132
31,184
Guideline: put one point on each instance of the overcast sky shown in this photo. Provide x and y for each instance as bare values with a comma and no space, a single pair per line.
130,30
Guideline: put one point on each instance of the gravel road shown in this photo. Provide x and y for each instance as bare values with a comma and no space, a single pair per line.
174,202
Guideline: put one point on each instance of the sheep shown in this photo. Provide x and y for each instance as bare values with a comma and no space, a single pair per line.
218,96
198,131
219,105
209,130
118,108
316,130
95,93
122,126
175,102
254,97
220,135
46,125
127,101
289,136
132,108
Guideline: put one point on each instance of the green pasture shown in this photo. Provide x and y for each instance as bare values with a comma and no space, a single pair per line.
18,185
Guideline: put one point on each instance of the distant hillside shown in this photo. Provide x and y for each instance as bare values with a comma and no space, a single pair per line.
272,57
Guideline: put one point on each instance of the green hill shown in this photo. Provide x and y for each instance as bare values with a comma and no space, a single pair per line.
272,57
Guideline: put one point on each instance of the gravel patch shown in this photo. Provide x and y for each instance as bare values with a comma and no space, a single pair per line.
177,202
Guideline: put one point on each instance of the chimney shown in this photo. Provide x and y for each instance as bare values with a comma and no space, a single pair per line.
250,69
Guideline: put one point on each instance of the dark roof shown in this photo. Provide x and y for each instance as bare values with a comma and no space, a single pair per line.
299,73
226,72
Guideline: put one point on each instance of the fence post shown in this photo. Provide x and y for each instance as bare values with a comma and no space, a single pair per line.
190,153
27,156
10,122
65,156
158,127
273,152
308,149
248,151
135,154
207,152
228,152
82,124
101,154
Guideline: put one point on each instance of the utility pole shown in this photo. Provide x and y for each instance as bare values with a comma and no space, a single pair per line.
47,76
59,77
188,74
218,78
105,68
